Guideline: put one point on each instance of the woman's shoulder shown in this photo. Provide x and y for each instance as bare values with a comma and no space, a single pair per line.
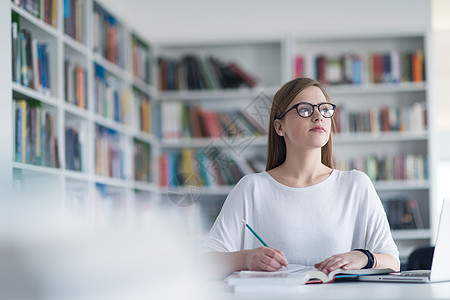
253,178
250,183
354,176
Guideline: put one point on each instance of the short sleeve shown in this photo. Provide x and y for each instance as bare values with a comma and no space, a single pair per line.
379,237
227,233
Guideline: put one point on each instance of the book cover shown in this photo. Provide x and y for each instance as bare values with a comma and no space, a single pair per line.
254,123
245,76
214,66
417,66
357,69
80,86
16,48
386,75
21,132
35,65
212,124
298,66
416,214
210,81
23,58
377,65
335,70
320,66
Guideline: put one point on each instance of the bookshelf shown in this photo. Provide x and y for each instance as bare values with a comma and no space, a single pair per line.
220,157
106,97
89,95
379,83
396,149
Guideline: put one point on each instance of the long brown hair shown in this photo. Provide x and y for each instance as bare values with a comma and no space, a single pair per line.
276,146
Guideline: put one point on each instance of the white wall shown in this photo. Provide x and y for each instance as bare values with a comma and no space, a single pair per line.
440,64
170,20
440,11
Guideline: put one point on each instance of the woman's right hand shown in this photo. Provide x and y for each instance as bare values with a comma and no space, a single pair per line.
265,259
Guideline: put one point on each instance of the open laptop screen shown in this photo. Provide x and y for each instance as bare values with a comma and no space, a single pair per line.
441,259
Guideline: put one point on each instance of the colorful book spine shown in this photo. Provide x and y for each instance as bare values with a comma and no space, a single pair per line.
207,167
74,147
35,140
30,59
396,167
299,69
20,130
369,68
109,153
73,19
142,161
193,72
75,89
140,59
109,36
189,121
403,213
407,118
142,111
15,47
45,10
111,100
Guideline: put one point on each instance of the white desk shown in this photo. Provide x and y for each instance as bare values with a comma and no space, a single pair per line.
350,290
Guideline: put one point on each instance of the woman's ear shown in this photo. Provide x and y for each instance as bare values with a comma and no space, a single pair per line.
278,126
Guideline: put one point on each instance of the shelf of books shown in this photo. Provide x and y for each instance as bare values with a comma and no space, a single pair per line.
82,109
122,134
381,125
213,102
224,68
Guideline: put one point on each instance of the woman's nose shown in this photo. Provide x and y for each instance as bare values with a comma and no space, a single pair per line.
316,116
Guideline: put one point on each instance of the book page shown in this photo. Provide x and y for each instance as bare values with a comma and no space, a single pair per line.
291,268
359,272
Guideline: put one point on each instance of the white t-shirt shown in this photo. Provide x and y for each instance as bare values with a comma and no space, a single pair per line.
309,224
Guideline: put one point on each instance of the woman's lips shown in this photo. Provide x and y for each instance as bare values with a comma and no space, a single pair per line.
317,129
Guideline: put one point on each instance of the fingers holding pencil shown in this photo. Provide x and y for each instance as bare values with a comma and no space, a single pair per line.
265,259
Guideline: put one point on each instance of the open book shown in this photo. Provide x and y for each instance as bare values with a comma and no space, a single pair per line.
296,275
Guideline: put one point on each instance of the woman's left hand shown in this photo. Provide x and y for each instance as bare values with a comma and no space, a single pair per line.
353,260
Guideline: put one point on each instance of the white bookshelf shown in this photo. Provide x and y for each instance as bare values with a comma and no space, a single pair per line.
367,95
97,198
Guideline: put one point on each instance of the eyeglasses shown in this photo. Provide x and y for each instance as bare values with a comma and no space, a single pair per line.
306,110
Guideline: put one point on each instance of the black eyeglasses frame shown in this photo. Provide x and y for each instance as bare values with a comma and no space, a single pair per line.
313,105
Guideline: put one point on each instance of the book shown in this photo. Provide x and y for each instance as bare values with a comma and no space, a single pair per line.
299,66
15,47
194,72
243,75
416,214
20,130
295,274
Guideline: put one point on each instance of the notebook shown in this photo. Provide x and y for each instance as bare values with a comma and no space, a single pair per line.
440,265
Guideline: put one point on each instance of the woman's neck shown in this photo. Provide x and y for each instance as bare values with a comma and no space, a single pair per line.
301,169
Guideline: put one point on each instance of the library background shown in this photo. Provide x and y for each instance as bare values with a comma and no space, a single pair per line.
118,122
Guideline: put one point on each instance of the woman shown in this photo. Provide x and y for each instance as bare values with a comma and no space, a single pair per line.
307,212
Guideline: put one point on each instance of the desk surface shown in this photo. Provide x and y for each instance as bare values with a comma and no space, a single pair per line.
350,290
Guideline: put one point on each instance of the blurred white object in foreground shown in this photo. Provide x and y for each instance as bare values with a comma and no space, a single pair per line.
47,254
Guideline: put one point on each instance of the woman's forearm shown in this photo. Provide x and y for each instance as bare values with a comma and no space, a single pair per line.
385,260
221,264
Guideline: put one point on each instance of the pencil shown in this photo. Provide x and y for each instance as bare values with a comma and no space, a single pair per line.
257,236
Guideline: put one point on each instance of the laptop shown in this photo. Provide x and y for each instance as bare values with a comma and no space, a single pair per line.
440,266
